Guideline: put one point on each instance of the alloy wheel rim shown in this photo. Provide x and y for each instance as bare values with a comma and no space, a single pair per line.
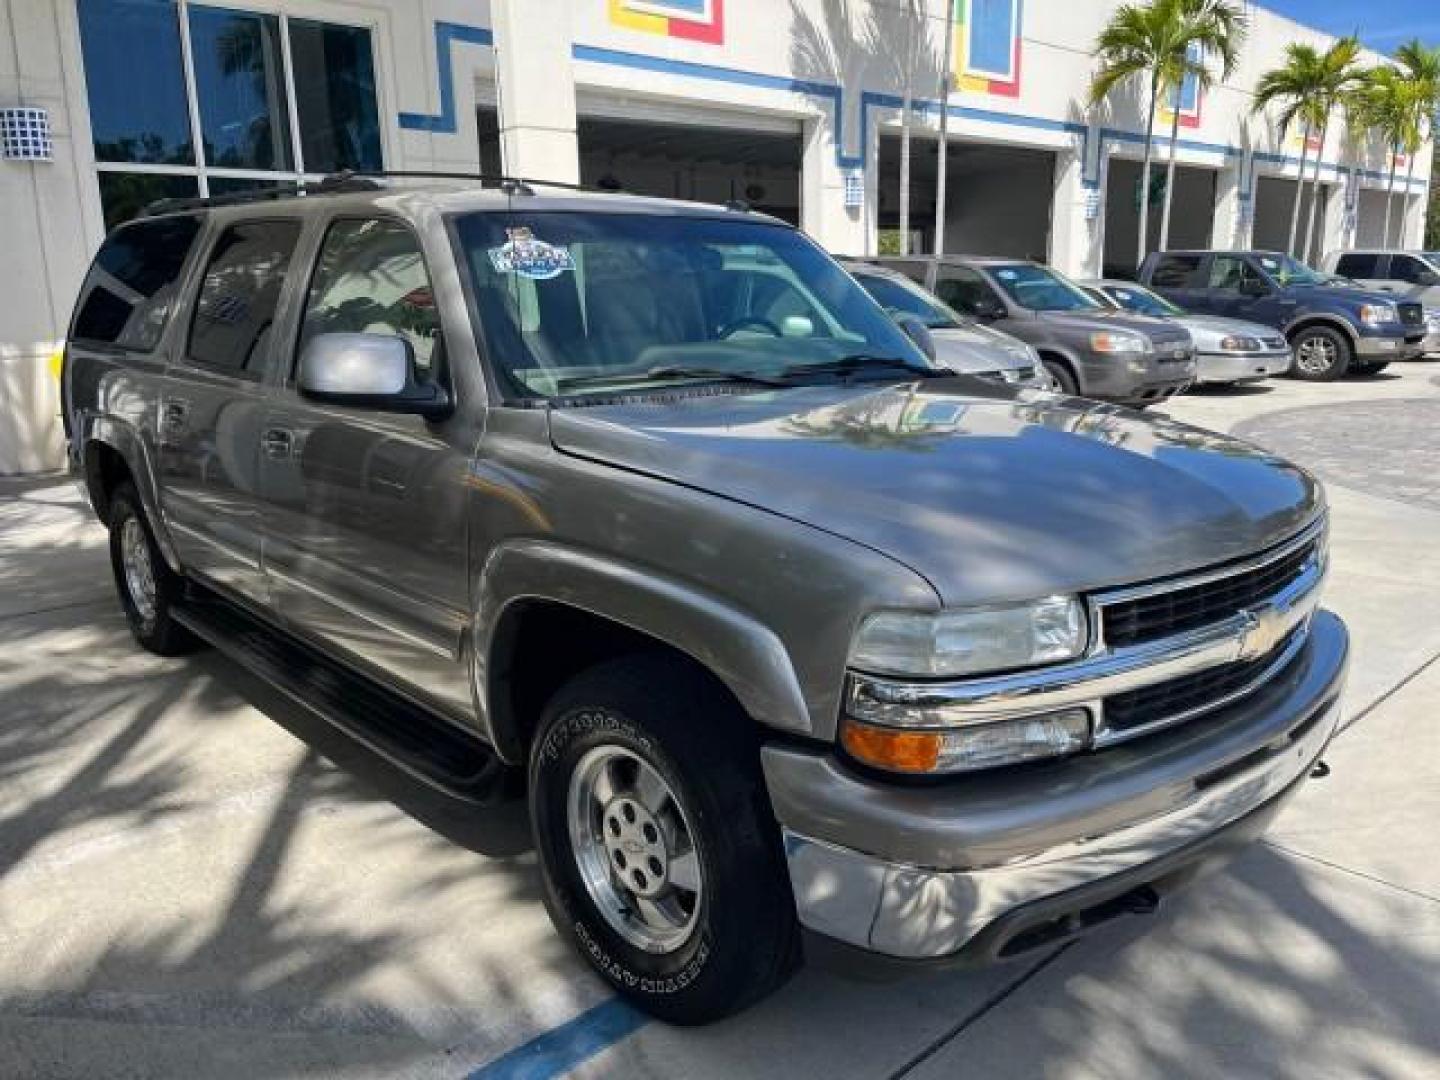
139,573
635,849
1315,355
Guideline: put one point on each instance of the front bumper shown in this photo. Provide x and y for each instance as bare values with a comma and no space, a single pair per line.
965,869
1240,367
1376,347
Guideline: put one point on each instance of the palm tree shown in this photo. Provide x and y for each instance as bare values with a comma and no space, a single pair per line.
1297,87
1137,42
1207,28
1339,74
1391,105
1422,68
1164,41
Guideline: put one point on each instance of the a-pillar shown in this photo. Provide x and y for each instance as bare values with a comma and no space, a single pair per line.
839,194
536,90
1077,218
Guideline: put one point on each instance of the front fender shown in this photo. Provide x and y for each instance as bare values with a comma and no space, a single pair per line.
122,437
740,651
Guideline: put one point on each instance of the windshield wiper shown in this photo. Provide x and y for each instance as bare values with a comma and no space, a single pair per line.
667,373
846,365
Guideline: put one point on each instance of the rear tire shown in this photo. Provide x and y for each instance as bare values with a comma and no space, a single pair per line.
1064,380
148,588
661,859
1321,354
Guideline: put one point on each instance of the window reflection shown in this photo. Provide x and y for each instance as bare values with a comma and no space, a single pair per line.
136,81
240,83
335,96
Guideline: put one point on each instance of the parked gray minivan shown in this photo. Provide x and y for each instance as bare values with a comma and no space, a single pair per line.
1088,347
784,626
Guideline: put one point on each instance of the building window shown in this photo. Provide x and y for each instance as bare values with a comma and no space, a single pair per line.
199,99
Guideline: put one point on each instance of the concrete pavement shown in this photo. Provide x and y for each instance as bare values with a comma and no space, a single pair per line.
194,881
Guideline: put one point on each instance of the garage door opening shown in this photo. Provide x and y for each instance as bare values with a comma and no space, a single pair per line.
1370,218
998,203
1274,204
1192,211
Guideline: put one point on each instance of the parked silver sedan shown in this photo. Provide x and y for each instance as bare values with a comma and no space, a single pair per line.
1226,350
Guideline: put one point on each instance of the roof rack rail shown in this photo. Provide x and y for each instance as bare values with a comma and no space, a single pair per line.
514,185
335,184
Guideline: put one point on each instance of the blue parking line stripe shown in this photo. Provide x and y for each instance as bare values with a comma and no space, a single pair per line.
560,1049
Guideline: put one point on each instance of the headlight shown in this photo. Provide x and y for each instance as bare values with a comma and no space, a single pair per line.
952,643
1379,313
1235,343
1119,341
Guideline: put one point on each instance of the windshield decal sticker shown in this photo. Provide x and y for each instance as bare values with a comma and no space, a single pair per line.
524,255
1006,275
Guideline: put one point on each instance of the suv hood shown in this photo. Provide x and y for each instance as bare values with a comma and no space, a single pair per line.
989,493
1342,294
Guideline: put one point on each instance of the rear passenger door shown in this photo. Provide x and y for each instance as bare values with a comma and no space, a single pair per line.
212,404
365,511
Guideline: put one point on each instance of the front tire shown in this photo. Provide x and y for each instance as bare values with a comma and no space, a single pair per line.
1064,380
148,588
661,859
1322,354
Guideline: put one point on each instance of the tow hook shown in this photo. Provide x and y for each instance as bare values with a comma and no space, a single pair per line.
1320,771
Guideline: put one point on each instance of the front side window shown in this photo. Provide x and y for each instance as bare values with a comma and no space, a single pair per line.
131,286
901,296
1142,301
235,311
573,303
967,290
1288,271
371,279
1039,288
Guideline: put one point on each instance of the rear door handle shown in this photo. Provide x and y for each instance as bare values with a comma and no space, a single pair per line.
277,442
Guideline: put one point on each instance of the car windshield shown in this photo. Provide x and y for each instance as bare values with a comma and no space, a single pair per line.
1041,289
1288,271
572,303
897,296
1134,298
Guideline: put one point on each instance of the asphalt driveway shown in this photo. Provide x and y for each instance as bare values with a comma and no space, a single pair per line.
195,881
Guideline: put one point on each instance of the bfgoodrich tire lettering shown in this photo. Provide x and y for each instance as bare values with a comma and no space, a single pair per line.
743,938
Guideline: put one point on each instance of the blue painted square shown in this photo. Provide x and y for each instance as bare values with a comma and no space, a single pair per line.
991,46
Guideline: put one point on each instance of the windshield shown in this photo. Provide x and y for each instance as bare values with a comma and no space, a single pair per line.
1287,271
1041,289
902,296
1134,298
573,302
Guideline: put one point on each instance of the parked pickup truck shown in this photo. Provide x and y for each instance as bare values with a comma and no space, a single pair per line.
1332,329
1088,347
786,627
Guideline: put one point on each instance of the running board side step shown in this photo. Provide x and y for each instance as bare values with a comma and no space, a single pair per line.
407,735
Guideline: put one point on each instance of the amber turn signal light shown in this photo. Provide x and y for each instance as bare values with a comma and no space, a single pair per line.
902,751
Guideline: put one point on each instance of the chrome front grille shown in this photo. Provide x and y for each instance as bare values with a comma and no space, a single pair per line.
1164,612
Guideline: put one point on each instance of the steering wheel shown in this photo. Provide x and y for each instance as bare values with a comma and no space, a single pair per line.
749,320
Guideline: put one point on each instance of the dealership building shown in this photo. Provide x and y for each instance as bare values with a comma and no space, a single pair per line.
793,106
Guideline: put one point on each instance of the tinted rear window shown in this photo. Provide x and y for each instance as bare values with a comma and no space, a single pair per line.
1358,264
131,286
1174,271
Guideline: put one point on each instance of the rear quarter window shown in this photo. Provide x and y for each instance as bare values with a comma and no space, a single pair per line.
1174,271
130,290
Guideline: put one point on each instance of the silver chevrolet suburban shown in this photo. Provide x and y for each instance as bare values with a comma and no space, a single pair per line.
650,502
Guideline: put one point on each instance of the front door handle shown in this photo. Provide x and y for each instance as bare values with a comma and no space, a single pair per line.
277,442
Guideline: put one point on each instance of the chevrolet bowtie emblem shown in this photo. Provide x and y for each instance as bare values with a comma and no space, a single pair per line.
1264,629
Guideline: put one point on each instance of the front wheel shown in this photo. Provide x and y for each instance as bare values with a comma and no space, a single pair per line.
1322,354
661,860
1064,380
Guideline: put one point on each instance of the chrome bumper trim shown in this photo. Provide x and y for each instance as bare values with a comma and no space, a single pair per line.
1249,635
914,912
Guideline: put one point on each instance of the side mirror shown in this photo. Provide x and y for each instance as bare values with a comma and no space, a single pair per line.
917,332
1253,287
369,371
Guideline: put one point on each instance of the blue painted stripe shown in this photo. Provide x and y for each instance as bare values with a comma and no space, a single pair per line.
561,1049
446,35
